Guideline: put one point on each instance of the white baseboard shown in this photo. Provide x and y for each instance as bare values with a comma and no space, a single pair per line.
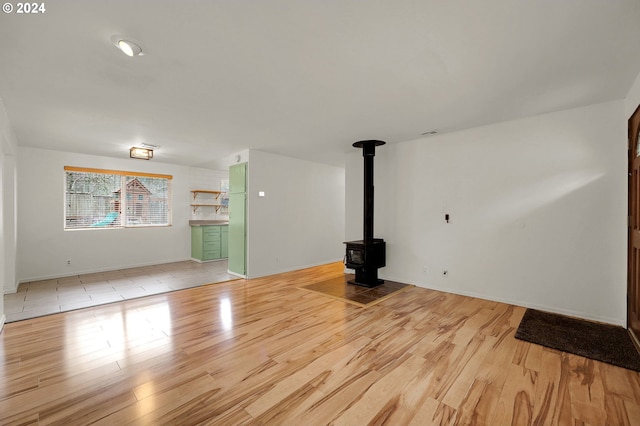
521,303
98,270
2,320
291,268
207,261
236,275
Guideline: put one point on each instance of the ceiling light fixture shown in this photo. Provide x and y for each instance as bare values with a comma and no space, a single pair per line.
128,47
140,153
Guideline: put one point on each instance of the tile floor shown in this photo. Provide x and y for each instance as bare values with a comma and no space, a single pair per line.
340,288
38,298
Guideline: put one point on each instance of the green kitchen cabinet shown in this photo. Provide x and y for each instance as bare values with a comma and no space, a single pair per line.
207,242
238,178
237,219
224,238
237,236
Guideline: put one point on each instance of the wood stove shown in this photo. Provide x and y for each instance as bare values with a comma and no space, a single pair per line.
368,254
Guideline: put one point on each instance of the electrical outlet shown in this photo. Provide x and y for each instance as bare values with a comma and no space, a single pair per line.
424,269
68,261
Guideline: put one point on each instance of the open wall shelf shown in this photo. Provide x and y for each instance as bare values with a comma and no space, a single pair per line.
195,192
217,206
211,192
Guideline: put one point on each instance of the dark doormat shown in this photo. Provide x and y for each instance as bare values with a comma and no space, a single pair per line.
340,289
602,342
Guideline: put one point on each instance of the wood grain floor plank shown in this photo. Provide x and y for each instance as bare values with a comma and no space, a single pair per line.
164,406
479,404
463,379
516,401
434,413
324,408
301,379
381,400
586,390
618,382
632,411
22,383
548,402
20,420
617,412
264,352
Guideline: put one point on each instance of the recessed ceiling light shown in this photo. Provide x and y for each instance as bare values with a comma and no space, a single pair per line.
128,47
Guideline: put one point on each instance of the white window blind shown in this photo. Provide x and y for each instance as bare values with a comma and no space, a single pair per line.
97,198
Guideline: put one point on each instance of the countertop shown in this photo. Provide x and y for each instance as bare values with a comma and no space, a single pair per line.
208,222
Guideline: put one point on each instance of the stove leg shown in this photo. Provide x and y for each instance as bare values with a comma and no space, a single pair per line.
366,277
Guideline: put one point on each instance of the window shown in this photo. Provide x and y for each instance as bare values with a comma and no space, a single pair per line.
94,199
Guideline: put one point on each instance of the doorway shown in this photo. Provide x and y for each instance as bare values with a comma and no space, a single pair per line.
633,240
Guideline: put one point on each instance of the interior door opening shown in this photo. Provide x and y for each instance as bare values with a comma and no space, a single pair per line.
633,230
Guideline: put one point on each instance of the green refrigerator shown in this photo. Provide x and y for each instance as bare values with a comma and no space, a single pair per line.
238,219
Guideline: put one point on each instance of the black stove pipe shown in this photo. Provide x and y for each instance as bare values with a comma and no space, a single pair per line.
368,152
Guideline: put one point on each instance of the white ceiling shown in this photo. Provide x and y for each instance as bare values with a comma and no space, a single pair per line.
302,78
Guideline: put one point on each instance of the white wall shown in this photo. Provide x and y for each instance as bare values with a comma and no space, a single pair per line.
44,246
8,147
300,220
200,178
537,205
9,223
633,98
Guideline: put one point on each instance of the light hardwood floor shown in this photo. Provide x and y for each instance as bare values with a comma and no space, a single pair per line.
264,352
